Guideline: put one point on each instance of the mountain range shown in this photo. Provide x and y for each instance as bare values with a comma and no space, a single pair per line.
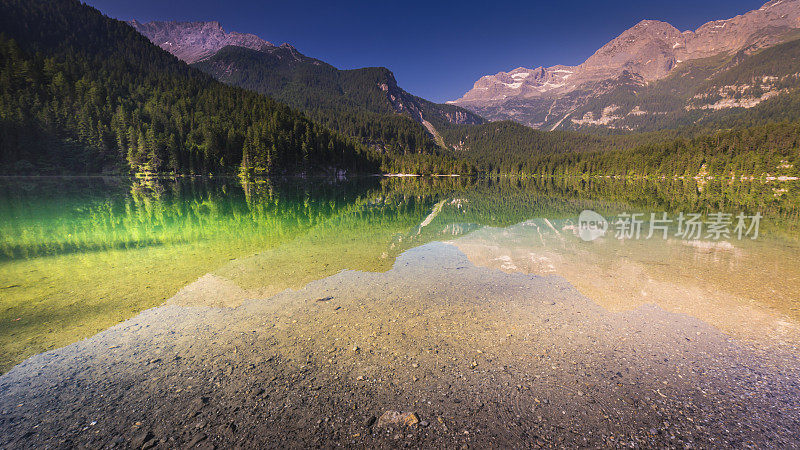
193,41
366,103
652,76
83,93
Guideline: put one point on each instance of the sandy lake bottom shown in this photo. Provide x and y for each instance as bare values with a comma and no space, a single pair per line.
479,356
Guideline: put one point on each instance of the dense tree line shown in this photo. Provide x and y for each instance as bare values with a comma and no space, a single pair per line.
508,147
772,149
511,148
80,92
356,103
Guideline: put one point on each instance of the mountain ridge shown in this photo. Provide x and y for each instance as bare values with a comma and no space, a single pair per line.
87,94
359,102
645,53
193,41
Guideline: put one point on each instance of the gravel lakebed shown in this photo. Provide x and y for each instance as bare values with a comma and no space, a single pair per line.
436,352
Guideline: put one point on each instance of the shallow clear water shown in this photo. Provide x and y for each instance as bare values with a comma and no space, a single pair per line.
78,255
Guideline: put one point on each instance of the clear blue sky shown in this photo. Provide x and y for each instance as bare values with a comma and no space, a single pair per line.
436,49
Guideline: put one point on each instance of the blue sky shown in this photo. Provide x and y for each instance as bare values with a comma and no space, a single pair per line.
436,49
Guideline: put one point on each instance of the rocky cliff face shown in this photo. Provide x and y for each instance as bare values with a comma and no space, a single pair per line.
647,52
194,41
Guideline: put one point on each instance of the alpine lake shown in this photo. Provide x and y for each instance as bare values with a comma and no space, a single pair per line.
420,290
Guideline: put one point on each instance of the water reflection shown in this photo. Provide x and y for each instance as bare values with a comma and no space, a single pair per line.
745,288
80,254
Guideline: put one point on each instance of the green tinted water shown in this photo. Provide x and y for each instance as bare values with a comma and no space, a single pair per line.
78,255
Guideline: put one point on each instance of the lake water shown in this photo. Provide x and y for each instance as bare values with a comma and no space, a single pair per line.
79,255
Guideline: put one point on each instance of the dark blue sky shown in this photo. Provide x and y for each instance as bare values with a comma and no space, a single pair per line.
436,49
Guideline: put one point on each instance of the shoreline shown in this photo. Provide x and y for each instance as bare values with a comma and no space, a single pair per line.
481,357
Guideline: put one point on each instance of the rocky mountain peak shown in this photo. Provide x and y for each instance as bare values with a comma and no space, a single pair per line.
646,49
646,52
194,41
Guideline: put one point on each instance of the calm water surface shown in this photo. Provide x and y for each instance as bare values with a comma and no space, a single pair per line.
78,255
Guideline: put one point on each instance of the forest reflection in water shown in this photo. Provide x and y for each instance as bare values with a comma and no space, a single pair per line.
80,254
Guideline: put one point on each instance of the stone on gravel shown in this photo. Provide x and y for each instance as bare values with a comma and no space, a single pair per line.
196,439
392,418
141,439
